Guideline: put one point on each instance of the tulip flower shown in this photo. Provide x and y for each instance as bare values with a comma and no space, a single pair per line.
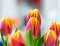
32,32
5,26
50,38
55,27
34,13
16,39
34,26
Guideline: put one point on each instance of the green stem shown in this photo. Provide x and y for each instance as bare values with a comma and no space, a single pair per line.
3,42
40,43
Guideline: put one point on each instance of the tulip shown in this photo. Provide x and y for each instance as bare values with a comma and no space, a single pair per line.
5,26
55,27
34,13
16,39
34,26
32,32
50,38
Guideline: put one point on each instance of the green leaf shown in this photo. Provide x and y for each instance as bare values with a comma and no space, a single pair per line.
59,41
40,43
36,40
29,38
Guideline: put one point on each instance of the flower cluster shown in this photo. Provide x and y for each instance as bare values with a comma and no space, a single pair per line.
33,32
15,39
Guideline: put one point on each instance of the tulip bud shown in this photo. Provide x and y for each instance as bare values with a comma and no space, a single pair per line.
50,38
32,32
34,13
16,39
55,27
34,26
5,26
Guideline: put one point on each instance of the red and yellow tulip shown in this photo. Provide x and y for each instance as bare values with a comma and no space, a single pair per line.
6,26
32,32
34,13
55,27
50,38
16,39
34,26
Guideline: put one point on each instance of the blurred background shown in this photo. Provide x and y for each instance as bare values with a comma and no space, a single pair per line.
49,10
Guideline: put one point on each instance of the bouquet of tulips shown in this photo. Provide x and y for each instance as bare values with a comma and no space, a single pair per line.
33,32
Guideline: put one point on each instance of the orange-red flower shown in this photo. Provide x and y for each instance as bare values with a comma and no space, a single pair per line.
16,39
50,38
5,26
34,13
34,26
56,27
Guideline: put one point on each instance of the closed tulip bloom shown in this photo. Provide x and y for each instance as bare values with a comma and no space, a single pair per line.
55,27
16,39
34,13
5,26
50,38
34,26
